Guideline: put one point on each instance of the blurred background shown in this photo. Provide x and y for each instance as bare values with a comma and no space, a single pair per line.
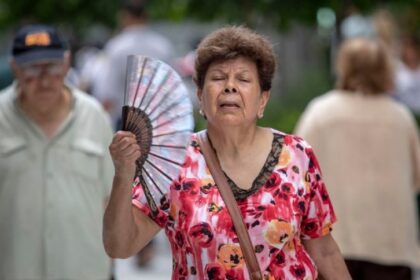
305,34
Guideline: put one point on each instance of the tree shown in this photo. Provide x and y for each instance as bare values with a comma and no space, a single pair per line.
278,13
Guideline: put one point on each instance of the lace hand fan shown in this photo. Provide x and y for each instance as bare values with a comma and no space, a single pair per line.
157,109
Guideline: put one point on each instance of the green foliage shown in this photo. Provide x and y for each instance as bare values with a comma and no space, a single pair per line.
418,120
283,112
200,122
280,117
77,13
280,14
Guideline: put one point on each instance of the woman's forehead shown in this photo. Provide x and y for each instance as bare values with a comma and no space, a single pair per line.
240,63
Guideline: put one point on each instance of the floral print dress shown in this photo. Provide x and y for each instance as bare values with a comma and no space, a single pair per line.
288,202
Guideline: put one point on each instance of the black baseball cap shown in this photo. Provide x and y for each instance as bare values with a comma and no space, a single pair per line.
38,43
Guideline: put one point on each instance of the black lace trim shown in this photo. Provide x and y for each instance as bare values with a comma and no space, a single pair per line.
265,173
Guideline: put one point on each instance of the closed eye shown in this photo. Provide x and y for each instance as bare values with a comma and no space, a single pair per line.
244,78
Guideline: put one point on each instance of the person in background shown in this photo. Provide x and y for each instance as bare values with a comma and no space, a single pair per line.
184,65
137,38
90,59
54,167
386,30
368,145
274,177
407,83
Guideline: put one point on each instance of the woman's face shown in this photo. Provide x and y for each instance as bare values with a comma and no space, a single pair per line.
231,94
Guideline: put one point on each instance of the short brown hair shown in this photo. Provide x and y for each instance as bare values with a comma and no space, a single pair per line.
231,42
364,65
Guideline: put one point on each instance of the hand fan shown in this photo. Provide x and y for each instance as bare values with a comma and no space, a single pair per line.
157,109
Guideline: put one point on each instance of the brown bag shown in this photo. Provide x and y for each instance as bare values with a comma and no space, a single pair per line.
227,195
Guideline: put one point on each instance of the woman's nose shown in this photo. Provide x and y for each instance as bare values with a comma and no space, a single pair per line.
230,89
230,86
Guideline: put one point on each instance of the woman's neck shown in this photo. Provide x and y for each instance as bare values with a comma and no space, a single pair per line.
235,142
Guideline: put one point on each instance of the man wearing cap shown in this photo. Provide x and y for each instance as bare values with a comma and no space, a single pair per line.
55,170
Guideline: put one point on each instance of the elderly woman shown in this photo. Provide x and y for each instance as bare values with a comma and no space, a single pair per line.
275,179
369,149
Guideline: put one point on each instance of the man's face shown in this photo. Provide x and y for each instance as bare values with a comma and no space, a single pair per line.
41,83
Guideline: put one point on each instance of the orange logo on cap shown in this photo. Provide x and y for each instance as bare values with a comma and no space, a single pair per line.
39,39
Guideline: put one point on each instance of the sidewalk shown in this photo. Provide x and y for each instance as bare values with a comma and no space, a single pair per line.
160,268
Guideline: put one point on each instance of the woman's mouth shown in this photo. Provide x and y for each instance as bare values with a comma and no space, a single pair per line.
229,105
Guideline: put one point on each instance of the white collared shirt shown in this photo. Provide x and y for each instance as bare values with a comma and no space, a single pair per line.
52,193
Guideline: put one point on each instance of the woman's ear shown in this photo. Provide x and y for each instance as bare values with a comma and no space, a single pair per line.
200,97
199,94
264,97
200,103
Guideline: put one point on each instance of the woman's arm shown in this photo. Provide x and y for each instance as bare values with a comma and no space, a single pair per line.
327,257
126,230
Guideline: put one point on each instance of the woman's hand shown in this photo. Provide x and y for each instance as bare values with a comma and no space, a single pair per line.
124,152
126,229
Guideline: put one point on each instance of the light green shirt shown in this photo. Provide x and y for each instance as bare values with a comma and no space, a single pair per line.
52,193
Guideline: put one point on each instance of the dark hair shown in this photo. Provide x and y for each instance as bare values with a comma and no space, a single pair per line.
135,8
364,65
231,42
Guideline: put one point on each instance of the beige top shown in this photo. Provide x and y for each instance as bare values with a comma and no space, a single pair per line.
52,193
369,151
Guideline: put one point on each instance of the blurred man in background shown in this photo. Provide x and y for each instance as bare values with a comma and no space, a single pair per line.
137,38
55,172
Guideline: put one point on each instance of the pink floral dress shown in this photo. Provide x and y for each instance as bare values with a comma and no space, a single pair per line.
288,202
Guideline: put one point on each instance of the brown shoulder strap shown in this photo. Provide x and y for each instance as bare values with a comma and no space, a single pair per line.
227,195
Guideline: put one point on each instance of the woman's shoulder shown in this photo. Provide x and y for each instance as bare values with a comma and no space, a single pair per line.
193,147
290,139
194,140
294,147
296,153
324,104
